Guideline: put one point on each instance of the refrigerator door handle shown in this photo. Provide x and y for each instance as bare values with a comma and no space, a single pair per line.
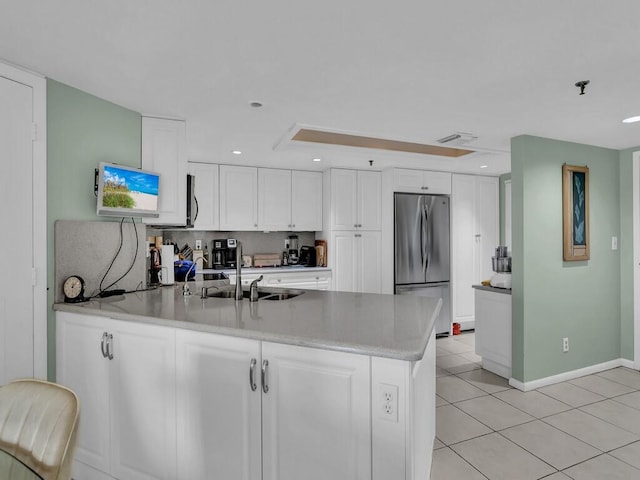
426,241
423,236
428,217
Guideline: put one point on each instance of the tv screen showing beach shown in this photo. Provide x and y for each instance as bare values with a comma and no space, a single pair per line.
128,190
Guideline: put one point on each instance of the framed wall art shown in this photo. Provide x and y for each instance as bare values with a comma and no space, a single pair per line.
575,213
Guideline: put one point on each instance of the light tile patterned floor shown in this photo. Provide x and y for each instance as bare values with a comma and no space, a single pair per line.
587,428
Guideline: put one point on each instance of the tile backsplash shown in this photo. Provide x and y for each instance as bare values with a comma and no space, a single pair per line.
252,242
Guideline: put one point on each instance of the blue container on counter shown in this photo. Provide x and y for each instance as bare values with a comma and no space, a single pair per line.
180,269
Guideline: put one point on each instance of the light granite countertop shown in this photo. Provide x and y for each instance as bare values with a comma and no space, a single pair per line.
391,326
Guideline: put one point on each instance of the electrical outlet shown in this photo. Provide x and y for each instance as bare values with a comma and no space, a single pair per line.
389,402
565,344
198,244
286,244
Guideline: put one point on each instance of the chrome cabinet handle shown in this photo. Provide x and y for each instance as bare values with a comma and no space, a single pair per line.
105,337
294,225
252,369
265,386
109,347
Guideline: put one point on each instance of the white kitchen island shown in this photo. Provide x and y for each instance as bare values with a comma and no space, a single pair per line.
324,385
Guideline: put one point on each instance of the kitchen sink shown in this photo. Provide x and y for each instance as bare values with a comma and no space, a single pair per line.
266,293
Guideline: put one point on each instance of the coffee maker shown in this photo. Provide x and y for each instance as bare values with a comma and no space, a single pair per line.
293,249
223,253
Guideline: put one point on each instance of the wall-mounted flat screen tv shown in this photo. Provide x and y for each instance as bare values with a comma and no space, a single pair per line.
126,191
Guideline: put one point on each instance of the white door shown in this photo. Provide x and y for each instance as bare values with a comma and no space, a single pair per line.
306,201
464,244
238,198
218,435
369,200
344,198
368,254
143,406
487,224
207,194
16,216
343,269
81,366
315,414
274,199
164,150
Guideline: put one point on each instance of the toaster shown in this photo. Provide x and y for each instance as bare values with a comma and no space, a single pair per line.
307,256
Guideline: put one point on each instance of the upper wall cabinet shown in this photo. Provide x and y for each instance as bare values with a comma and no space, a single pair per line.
270,199
289,200
355,200
421,181
207,194
306,201
164,150
238,198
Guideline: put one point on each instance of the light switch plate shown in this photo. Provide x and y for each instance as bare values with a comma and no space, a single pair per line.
614,243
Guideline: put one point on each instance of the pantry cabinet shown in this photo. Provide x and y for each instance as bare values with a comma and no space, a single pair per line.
124,376
306,201
164,150
238,198
356,261
355,199
207,193
474,237
421,181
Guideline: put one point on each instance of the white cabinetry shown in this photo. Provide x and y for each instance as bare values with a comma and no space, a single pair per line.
421,181
219,418
474,236
207,194
356,261
354,211
315,414
164,150
493,331
241,423
269,199
289,200
238,198
274,199
313,280
355,199
306,201
124,375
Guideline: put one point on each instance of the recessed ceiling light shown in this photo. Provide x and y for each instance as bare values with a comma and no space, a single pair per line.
236,152
255,104
631,119
483,166
317,159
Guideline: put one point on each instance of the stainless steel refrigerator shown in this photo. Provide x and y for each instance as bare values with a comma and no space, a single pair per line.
421,250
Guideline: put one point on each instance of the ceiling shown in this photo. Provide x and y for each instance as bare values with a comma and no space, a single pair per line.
411,71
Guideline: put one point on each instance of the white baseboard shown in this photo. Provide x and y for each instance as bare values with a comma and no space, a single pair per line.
563,377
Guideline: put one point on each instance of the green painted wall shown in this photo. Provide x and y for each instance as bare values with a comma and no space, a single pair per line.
553,299
82,130
626,253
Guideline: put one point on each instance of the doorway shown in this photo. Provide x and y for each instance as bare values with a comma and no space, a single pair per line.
23,312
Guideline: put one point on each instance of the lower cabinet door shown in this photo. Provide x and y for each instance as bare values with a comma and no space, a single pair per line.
218,405
81,366
143,391
315,414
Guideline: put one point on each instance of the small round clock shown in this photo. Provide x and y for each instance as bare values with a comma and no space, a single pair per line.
73,288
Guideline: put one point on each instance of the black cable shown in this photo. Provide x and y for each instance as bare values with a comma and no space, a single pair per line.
135,256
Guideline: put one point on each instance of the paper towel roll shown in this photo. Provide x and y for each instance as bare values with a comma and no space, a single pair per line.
166,264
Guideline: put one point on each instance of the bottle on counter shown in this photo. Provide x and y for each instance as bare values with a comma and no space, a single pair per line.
205,257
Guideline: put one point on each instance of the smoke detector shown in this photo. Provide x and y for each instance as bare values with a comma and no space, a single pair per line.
458,138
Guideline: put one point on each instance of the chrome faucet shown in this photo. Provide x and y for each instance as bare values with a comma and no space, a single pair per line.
185,288
253,289
238,274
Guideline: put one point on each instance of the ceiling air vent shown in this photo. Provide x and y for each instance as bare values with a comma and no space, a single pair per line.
457,138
